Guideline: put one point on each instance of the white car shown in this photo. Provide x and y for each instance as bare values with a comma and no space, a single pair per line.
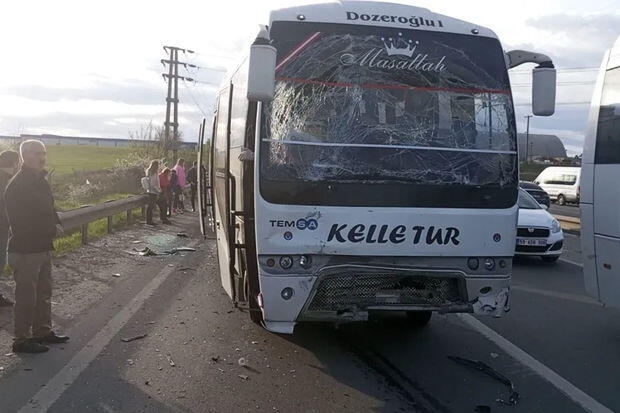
538,232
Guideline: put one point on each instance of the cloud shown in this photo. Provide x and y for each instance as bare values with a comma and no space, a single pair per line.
573,40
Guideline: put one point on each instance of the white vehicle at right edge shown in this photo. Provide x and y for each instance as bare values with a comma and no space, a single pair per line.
364,159
538,232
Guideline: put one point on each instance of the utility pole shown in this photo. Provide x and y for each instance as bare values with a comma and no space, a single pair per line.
173,98
527,138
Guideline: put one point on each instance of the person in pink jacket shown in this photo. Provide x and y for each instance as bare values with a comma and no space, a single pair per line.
180,169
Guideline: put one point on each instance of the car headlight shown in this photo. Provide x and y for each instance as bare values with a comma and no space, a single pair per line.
555,226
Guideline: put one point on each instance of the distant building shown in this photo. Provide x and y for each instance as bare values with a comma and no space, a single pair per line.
83,140
541,146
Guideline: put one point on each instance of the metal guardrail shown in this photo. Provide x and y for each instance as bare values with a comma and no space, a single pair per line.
81,217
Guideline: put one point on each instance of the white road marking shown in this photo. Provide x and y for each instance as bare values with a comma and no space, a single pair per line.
46,397
563,385
555,294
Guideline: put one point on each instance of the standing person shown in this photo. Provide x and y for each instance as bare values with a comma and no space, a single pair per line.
174,191
164,183
192,179
155,195
9,163
180,168
34,224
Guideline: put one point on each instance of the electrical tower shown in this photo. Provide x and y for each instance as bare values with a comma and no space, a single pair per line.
172,77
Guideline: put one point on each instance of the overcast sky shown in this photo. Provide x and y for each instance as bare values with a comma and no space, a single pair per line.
93,68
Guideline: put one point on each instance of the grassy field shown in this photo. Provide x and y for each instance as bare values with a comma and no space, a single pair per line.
64,159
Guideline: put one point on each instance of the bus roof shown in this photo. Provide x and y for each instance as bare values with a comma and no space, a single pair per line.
371,13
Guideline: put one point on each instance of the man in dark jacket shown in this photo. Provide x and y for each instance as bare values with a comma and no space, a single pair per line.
192,179
9,161
34,224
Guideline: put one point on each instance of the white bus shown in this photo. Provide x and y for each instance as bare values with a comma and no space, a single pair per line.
365,159
600,190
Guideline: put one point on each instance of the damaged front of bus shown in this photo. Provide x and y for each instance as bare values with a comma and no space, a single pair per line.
386,167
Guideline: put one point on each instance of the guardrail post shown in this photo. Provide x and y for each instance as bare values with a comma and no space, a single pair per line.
109,224
143,210
129,217
84,234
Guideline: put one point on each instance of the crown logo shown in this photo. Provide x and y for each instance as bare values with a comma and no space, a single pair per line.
399,46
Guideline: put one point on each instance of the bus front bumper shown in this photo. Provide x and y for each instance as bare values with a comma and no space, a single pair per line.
290,299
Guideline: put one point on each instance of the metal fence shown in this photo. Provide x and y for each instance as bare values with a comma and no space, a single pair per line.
81,217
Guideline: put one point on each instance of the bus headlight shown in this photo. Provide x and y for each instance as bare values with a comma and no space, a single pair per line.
555,226
473,263
286,262
287,293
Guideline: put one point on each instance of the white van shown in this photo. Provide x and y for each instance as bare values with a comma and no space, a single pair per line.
561,183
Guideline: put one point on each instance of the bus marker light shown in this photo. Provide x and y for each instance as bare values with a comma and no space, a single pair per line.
287,293
271,262
489,263
305,261
259,300
502,263
473,263
286,262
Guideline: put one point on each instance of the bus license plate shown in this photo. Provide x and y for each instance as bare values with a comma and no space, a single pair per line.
532,242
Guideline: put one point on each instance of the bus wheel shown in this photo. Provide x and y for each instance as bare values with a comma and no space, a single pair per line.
561,200
419,318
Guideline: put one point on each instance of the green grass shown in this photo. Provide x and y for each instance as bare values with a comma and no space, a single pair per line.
65,159
96,229
529,171
69,203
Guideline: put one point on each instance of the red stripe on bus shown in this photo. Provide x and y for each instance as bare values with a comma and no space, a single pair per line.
395,87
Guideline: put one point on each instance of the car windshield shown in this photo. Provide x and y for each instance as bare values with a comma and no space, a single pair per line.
526,201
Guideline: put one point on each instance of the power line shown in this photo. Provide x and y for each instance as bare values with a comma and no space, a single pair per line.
194,99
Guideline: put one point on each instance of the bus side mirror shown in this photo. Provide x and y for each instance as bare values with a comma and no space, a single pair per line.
262,69
543,91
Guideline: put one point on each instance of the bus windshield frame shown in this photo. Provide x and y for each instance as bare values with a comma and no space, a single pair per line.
361,114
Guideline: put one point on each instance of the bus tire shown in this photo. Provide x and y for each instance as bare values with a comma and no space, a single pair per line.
419,318
561,200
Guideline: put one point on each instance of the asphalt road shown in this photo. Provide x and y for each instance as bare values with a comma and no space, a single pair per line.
571,210
201,354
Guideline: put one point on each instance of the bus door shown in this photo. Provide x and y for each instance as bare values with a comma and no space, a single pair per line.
224,225
205,187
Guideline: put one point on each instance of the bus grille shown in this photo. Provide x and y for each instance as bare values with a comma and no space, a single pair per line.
346,290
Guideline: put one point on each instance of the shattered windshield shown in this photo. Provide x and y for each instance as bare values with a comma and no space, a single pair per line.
374,105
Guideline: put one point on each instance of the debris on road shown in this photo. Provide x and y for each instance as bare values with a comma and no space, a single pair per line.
179,249
138,337
116,274
170,360
215,358
182,234
243,376
485,368
242,362
494,355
